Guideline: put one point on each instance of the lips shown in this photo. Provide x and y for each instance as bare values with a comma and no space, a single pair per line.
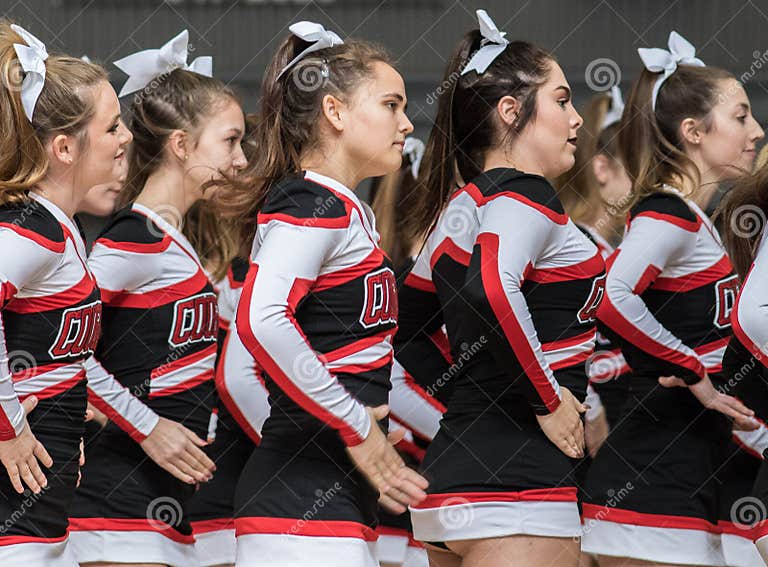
573,140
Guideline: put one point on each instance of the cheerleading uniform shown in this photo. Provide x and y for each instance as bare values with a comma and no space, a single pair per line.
652,491
317,312
518,286
159,340
49,326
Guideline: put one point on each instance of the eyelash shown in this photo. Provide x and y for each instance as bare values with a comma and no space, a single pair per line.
742,119
563,103
114,128
392,105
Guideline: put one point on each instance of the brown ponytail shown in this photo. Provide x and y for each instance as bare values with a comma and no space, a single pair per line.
649,141
65,106
464,126
179,100
290,107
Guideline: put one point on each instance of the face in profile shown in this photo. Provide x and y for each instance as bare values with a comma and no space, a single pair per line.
375,125
217,147
727,147
102,160
550,138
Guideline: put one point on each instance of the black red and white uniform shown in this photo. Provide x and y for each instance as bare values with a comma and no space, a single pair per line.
749,347
518,285
239,416
669,294
317,312
159,328
607,369
49,326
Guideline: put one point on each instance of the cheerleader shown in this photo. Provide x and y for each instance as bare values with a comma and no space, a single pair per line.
652,492
411,406
517,284
593,193
319,306
62,136
160,317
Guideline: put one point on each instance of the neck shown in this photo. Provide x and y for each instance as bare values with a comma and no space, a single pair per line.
505,157
333,165
62,192
165,189
702,194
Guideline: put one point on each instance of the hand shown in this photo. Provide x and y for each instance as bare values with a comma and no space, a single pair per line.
712,399
398,485
21,455
564,427
596,432
177,450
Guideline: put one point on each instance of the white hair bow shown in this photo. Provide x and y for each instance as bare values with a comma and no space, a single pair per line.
616,110
32,58
317,35
659,60
491,47
414,149
144,66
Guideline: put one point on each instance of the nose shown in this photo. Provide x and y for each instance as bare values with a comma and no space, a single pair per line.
126,136
759,133
240,162
577,120
407,126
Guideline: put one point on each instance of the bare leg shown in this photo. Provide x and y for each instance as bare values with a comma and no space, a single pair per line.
518,550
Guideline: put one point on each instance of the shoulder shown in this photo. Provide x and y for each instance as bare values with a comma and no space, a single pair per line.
298,200
531,190
666,207
31,220
134,232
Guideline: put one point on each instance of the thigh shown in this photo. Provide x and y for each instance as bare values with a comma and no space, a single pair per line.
605,561
442,558
518,551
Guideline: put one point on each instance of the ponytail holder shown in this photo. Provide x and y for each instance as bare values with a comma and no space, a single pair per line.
616,110
314,33
658,60
32,58
414,149
144,66
491,46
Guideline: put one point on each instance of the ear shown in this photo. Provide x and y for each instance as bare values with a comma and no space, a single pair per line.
64,149
601,167
332,111
508,108
178,144
690,131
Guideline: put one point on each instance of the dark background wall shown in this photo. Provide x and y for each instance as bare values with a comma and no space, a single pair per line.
242,35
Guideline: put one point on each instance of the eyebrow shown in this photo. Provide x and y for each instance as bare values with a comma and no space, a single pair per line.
744,106
236,130
116,117
566,89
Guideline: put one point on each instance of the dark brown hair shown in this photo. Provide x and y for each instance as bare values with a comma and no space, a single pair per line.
179,100
742,213
464,128
649,141
65,106
290,108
